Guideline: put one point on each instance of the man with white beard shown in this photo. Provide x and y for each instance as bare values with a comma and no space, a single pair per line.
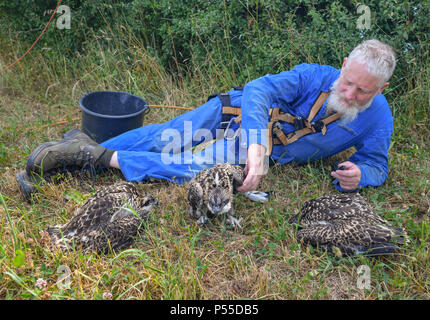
286,117
366,121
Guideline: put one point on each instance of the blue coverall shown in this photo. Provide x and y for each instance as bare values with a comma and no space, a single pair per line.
164,151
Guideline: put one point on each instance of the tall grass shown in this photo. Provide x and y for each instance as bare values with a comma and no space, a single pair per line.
174,258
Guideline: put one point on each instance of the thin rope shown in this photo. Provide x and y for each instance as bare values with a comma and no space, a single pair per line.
170,107
38,38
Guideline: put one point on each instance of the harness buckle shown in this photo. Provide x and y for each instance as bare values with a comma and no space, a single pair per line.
299,123
317,126
234,136
276,127
224,124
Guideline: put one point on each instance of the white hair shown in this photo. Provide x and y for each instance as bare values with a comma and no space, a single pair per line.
378,57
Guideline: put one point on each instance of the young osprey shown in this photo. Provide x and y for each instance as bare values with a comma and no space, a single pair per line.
210,193
108,220
345,224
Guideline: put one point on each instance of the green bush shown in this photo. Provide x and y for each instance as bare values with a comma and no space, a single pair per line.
235,40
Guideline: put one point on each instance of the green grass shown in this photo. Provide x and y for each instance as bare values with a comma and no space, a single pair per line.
174,258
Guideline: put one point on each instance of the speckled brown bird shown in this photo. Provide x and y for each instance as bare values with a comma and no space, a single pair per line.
210,193
345,225
110,219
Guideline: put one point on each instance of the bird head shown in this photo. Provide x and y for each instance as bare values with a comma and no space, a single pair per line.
147,202
219,202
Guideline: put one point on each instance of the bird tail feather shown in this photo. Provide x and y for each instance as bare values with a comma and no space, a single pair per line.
57,238
54,232
374,249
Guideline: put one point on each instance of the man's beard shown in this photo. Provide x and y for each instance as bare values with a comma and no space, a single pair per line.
336,103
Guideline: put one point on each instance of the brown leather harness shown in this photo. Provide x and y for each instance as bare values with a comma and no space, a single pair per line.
303,126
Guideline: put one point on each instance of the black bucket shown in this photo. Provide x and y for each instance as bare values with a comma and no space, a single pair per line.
107,114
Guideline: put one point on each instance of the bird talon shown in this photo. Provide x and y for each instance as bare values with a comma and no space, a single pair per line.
202,220
235,222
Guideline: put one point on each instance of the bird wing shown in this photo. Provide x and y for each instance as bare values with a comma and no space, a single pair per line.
238,176
353,236
334,201
195,194
102,206
337,207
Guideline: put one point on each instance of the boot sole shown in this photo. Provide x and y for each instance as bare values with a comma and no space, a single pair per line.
26,186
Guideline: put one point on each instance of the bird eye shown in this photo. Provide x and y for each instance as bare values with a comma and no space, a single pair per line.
147,202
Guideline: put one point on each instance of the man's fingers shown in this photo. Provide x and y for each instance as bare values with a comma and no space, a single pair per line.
246,169
344,173
347,186
345,179
249,184
350,171
349,178
244,186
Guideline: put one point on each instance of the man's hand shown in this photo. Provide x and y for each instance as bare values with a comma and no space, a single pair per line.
254,168
348,178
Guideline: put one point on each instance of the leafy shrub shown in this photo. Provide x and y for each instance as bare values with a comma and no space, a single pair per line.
236,40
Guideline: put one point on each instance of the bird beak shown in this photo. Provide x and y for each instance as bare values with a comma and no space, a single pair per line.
213,212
